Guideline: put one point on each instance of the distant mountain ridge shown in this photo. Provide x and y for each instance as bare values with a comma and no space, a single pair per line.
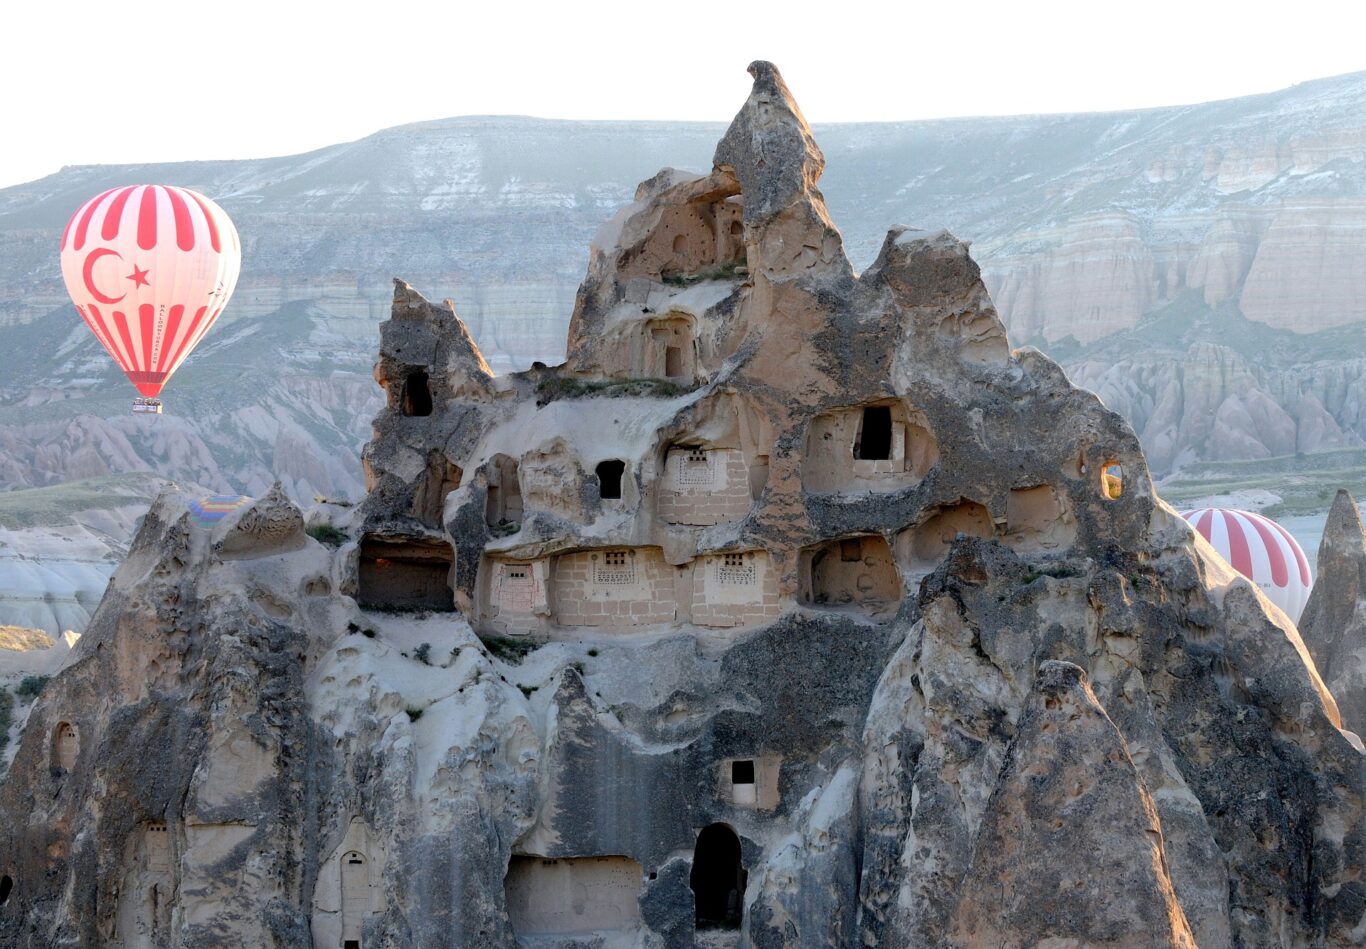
1200,267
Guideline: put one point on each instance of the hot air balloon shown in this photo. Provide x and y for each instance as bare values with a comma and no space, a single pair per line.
212,509
150,268
1261,550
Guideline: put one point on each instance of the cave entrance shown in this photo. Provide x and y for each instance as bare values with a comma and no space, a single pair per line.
405,573
6,885
417,394
609,479
718,879
856,572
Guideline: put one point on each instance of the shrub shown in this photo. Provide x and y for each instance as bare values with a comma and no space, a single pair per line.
31,686
509,650
423,654
327,534
414,713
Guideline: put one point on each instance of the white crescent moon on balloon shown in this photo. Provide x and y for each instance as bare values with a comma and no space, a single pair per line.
88,273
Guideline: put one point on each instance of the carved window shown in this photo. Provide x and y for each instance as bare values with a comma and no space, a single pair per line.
1112,480
609,479
697,467
67,746
614,568
735,570
417,395
158,847
875,434
851,551
516,590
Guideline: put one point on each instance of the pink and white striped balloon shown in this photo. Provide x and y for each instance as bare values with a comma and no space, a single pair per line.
1261,550
150,268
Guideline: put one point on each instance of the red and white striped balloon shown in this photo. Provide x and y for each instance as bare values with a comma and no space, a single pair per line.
150,268
1261,550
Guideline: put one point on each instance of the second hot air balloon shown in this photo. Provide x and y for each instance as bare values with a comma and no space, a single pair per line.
150,269
1261,550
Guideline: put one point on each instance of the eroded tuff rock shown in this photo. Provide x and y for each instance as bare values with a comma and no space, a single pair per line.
1334,620
1068,788
770,613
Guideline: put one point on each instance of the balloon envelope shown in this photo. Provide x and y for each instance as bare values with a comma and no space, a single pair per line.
150,268
208,511
1261,550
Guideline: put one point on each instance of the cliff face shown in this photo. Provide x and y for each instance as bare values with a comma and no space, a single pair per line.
1143,233
794,609
1334,620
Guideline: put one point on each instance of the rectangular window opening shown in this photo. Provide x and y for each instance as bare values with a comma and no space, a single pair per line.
875,434
673,361
742,772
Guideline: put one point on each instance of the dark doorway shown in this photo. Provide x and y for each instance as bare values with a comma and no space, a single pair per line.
609,479
351,944
405,574
6,884
718,878
875,434
417,395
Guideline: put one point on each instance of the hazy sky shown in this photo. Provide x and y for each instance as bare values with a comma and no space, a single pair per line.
86,82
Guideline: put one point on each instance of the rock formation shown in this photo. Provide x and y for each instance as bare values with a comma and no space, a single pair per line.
1334,621
794,609
1123,243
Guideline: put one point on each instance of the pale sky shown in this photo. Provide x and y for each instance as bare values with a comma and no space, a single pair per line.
98,82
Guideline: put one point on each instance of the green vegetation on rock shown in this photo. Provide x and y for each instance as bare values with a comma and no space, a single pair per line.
327,534
31,686
509,650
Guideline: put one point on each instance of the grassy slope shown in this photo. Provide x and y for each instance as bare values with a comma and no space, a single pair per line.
35,507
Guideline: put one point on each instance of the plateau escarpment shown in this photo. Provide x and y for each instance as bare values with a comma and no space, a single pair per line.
793,609
1184,263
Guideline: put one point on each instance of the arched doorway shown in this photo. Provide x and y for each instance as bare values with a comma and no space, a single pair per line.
718,878
66,745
